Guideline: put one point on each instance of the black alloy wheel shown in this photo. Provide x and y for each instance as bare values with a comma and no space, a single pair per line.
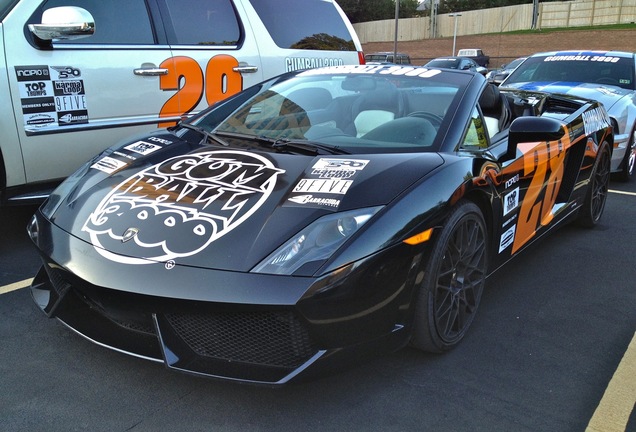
592,210
452,281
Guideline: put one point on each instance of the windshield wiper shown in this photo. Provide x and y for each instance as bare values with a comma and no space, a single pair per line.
310,147
207,136
301,146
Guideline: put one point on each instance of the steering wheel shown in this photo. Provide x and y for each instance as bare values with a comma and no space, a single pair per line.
607,80
433,118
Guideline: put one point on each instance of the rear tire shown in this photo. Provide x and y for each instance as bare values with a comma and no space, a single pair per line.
592,210
452,281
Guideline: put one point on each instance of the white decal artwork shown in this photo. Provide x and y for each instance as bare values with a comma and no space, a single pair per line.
177,208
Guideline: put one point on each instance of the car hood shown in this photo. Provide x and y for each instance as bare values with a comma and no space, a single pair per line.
608,95
218,207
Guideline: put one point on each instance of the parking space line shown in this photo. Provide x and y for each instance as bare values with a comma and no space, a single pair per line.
613,412
15,286
622,192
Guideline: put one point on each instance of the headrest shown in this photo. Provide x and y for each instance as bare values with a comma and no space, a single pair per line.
490,97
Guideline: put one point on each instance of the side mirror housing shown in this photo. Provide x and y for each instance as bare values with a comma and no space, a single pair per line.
532,129
64,22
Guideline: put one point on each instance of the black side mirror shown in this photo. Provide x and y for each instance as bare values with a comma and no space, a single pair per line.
531,129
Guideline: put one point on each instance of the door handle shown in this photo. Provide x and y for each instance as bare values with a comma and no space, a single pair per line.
150,70
245,68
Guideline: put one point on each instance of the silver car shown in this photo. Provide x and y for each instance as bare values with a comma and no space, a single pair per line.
606,76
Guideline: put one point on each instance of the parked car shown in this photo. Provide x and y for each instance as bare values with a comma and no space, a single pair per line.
606,76
498,75
78,75
315,219
461,63
476,54
387,57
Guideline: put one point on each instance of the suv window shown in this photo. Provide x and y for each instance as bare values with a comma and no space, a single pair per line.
312,24
5,6
203,22
119,21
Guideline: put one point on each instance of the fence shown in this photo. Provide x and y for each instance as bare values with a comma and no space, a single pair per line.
577,13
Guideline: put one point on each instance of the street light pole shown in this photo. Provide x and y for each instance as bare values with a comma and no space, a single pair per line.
395,39
455,31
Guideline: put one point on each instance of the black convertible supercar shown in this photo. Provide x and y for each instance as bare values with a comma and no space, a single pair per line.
315,218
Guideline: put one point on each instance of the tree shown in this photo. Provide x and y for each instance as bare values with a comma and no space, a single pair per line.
373,10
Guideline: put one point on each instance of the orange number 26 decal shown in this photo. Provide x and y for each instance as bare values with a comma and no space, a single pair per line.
190,83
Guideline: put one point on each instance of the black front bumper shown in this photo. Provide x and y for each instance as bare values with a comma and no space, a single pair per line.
237,326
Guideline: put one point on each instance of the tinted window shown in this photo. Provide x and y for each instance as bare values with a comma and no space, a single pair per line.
5,6
116,21
203,22
618,71
304,24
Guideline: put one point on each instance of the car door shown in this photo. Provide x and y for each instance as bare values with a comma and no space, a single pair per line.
73,98
215,53
526,187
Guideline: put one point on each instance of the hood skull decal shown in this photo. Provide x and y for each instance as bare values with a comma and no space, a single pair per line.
178,207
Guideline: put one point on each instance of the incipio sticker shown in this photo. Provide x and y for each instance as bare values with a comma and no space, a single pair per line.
324,185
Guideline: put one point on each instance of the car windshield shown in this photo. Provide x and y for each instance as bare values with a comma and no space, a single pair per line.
387,109
444,63
600,69
513,64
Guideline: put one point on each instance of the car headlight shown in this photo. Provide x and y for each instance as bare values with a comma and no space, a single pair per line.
308,249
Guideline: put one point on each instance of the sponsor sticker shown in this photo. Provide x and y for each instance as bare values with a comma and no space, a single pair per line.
511,201
51,95
507,238
108,164
142,147
324,184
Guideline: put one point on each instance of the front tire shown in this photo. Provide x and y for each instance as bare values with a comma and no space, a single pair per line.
627,171
452,281
592,210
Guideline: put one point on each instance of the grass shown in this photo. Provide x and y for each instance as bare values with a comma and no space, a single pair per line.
630,26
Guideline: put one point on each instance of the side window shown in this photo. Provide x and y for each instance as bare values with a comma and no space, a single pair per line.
312,24
203,22
476,135
118,22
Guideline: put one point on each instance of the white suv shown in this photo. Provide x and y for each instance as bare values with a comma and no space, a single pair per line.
81,77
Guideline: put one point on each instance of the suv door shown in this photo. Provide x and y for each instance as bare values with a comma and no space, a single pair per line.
214,53
73,98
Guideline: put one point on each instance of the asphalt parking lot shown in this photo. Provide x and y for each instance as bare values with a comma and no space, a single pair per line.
549,351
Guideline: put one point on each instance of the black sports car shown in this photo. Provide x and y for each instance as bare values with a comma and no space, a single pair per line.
315,218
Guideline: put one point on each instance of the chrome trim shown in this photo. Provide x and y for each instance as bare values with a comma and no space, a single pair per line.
245,68
150,71
27,197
